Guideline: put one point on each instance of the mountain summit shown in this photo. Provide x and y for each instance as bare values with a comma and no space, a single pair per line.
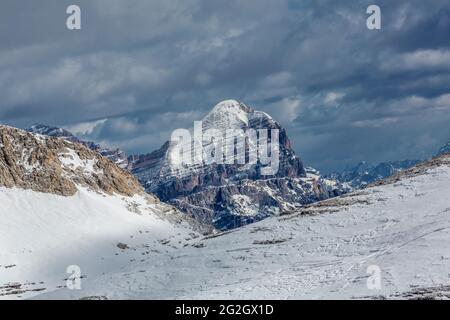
231,194
227,115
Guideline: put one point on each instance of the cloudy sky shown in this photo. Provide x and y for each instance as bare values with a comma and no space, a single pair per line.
140,68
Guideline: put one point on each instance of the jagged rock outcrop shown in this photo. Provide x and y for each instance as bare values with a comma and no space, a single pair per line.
57,166
117,156
233,205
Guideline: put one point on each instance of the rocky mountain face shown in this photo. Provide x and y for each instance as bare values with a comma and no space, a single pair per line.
118,156
231,195
365,173
57,166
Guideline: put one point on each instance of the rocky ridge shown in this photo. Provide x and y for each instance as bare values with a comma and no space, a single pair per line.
366,173
118,156
52,165
445,149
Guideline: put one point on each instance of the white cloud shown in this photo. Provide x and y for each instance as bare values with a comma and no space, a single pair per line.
418,60
285,110
331,98
374,123
85,128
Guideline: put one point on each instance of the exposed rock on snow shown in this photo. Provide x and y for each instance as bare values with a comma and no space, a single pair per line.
430,293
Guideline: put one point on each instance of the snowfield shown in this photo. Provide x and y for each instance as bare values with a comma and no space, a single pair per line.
322,251
41,235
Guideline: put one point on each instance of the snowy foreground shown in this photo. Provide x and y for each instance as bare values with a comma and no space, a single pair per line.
324,251
41,235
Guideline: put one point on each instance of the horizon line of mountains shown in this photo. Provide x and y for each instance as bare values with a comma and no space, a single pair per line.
227,196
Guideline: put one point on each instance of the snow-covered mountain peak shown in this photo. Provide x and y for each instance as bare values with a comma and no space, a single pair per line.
50,131
229,195
230,105
228,114
233,114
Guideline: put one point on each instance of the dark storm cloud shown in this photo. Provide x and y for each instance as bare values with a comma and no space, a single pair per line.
139,69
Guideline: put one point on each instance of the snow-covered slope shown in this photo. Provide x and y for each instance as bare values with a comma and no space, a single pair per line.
41,235
64,205
400,227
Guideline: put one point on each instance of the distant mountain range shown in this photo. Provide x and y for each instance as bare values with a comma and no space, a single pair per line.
365,173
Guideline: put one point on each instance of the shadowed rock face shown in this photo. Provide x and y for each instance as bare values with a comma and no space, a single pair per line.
247,201
57,166
232,195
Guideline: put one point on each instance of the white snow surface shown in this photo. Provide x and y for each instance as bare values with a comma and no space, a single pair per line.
41,235
403,228
73,161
